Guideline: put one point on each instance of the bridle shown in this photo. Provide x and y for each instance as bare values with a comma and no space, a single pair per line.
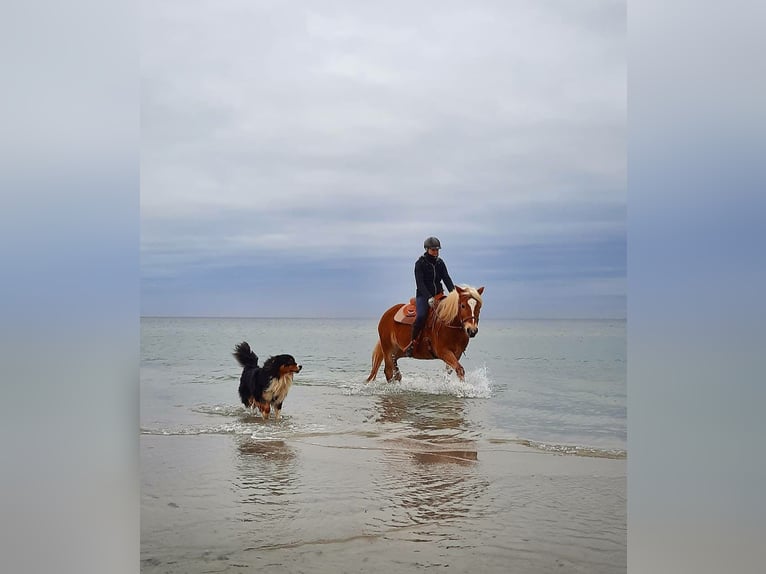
461,322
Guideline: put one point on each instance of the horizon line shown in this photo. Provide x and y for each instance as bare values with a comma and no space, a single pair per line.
517,318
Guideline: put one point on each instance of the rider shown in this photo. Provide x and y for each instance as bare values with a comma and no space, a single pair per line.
430,271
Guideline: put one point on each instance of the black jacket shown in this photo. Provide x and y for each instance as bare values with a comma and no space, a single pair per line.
429,274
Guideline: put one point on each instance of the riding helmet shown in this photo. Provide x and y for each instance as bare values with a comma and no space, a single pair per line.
432,243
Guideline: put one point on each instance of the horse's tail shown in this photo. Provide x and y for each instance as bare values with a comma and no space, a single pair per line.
377,359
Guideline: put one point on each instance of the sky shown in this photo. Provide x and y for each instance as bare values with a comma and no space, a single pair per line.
295,155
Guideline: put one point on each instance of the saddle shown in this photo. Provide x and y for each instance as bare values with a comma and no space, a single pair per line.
407,312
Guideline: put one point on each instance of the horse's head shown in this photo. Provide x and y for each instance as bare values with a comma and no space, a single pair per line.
468,308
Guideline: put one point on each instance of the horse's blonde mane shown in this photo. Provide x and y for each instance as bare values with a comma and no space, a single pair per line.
447,309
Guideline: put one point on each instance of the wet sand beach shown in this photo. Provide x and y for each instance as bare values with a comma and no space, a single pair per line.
361,503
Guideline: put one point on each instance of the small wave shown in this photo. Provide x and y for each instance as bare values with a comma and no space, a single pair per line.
574,449
254,430
233,428
252,425
225,410
209,380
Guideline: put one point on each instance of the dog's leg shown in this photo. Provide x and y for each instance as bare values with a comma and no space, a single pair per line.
265,410
277,411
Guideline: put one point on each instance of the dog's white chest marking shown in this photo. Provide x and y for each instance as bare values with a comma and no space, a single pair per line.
277,390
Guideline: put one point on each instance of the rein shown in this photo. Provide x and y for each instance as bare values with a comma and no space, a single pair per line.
435,319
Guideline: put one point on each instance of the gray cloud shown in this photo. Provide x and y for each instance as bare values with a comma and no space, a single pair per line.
340,131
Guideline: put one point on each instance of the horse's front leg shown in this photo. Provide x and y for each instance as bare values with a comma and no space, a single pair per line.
451,359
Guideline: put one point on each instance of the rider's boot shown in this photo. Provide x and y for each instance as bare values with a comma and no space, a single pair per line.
411,347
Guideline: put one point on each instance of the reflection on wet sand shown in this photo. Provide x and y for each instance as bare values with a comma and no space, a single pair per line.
269,450
454,456
423,412
431,476
266,477
436,425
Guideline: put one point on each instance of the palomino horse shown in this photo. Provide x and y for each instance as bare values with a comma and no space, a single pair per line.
445,335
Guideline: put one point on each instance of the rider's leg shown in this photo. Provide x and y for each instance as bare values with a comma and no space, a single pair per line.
421,304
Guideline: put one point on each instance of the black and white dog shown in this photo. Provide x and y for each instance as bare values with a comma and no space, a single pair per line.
267,385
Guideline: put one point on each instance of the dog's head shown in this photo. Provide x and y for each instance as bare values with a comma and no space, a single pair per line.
282,365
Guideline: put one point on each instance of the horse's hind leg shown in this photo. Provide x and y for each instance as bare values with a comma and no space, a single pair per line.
388,367
392,367
397,374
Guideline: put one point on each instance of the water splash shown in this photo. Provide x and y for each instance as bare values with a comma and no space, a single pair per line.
477,385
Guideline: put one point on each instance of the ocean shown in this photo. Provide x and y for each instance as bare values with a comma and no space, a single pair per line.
521,467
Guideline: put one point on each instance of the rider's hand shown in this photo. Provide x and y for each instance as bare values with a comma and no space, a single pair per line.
431,302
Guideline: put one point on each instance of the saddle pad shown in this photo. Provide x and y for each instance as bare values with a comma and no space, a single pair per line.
406,314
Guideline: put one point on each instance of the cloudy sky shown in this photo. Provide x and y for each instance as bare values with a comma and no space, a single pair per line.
295,155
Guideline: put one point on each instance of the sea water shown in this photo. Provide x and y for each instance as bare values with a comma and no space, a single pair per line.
520,465
555,384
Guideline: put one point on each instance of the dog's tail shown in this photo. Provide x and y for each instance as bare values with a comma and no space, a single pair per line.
245,355
377,359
